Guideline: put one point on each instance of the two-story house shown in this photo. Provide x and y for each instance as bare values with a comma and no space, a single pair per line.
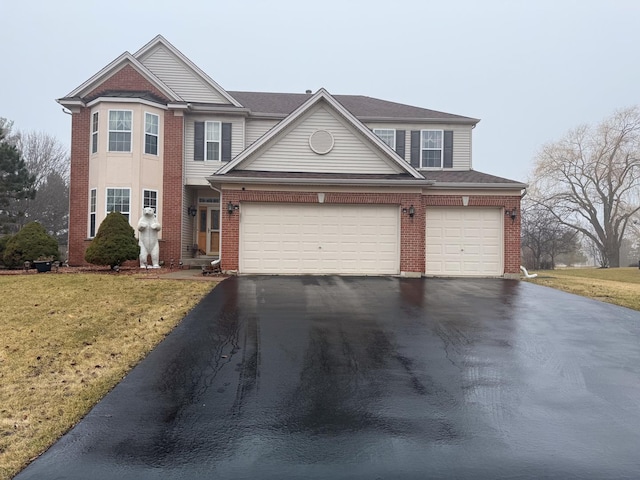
275,183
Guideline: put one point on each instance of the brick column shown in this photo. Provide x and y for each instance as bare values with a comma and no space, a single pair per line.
79,187
172,186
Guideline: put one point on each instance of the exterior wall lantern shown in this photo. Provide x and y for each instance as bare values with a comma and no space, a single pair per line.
192,210
411,211
231,207
513,214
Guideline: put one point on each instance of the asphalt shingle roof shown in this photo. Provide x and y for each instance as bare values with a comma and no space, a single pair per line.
359,105
465,176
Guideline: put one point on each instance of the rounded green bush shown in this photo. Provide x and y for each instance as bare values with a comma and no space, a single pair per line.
114,243
31,243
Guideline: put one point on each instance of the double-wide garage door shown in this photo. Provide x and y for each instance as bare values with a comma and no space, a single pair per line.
464,241
319,239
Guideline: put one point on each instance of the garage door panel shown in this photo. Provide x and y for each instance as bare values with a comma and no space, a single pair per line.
343,239
464,241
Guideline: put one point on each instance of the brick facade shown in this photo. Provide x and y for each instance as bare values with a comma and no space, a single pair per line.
125,79
412,236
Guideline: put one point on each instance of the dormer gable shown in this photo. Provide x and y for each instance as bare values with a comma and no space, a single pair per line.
321,136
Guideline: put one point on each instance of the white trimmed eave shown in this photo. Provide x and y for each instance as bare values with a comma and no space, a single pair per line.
159,39
126,100
380,182
322,94
115,66
439,121
476,186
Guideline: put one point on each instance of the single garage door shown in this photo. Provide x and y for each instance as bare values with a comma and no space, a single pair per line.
319,239
464,241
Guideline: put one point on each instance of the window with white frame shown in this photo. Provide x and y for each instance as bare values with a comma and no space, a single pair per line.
151,122
94,132
387,135
119,200
92,213
431,149
212,141
150,199
120,124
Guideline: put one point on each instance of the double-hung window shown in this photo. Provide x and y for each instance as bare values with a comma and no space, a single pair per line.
119,200
94,132
120,124
212,141
387,135
151,122
150,199
92,213
431,149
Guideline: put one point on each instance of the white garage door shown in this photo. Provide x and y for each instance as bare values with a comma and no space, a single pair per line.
464,241
319,239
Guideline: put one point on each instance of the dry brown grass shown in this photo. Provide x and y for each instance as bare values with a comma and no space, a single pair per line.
620,286
66,340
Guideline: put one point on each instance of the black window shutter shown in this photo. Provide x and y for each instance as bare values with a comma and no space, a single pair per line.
447,160
415,148
198,141
400,143
226,142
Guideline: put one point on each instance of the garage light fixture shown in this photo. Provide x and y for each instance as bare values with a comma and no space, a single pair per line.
511,213
411,211
231,207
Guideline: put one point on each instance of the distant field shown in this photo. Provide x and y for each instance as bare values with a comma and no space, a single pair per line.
620,286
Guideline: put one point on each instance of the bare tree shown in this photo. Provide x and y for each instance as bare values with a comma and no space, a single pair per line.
43,154
590,180
544,238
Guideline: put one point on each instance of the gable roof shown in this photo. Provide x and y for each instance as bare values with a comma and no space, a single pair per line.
321,96
362,107
160,41
125,59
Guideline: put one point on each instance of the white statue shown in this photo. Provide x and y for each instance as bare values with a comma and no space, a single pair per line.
149,227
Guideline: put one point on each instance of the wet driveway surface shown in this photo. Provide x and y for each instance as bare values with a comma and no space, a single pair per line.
333,377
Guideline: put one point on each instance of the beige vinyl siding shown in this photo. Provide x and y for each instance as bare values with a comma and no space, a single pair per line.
352,153
180,78
461,140
201,169
257,128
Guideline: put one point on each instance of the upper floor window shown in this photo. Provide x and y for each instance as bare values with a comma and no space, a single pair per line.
92,213
151,122
119,200
387,135
431,149
150,199
120,130
94,132
212,141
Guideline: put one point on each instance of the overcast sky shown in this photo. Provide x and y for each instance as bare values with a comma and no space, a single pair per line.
530,70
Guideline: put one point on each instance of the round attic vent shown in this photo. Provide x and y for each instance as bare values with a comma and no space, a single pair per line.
321,142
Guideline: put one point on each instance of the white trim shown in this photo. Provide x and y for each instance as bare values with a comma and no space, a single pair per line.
126,100
145,133
377,131
123,131
422,131
321,95
219,141
112,68
220,179
106,197
93,210
142,206
95,132
160,40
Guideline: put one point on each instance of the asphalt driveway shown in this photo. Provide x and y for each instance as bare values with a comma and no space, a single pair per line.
335,377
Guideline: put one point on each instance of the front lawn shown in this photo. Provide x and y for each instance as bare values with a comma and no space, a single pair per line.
620,286
66,340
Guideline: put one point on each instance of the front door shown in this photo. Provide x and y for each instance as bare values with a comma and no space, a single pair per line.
209,230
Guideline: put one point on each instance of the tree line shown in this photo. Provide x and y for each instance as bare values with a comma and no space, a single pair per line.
34,182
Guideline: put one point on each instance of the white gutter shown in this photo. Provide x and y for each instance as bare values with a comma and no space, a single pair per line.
320,181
